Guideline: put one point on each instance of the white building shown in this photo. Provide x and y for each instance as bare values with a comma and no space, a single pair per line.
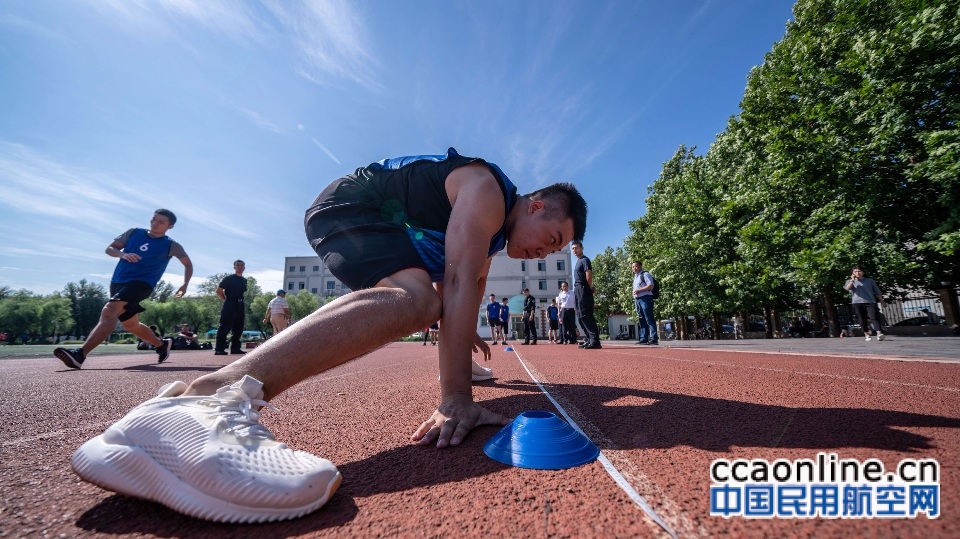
507,279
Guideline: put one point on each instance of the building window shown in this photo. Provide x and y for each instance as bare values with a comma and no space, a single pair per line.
331,285
542,285
523,284
316,268
303,269
313,290
290,285
523,265
561,265
302,286
541,265
293,269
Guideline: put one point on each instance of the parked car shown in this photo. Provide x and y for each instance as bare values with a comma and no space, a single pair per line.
916,321
622,336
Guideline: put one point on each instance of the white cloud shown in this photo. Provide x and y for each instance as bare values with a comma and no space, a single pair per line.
260,121
326,151
328,37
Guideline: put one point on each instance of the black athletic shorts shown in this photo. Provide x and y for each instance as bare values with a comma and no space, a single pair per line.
492,322
133,293
554,324
358,235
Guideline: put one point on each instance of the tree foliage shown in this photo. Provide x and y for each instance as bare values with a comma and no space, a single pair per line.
846,150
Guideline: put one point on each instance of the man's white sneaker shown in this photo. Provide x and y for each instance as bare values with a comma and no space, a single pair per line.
481,373
881,336
867,338
207,457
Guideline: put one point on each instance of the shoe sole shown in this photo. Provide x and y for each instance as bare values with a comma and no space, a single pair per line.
481,377
67,360
130,471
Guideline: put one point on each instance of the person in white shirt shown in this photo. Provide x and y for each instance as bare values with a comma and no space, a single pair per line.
566,301
278,312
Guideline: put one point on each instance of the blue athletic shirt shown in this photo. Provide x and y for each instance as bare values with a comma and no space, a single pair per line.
493,310
154,256
427,230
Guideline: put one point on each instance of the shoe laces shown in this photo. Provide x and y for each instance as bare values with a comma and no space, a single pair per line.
241,413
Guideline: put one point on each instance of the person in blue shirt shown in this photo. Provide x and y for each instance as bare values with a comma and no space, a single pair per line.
413,238
493,319
143,255
553,317
504,320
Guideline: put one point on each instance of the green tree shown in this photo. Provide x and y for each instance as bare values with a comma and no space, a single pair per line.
162,292
86,301
612,279
54,315
20,314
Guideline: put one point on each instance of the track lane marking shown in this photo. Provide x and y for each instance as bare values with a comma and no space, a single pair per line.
805,373
607,459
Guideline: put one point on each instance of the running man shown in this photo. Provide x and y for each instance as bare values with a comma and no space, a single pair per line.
144,255
391,231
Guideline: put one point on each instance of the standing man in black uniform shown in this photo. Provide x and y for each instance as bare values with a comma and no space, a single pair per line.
232,314
529,318
583,288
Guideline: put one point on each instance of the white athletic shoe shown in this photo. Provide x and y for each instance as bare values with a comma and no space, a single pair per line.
881,336
867,338
481,373
207,457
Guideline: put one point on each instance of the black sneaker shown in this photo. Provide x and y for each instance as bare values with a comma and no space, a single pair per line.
163,351
72,358
592,346
237,352
219,353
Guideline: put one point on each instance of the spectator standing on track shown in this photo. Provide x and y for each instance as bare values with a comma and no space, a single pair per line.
144,255
643,303
215,460
529,318
568,314
866,294
232,312
553,317
434,333
278,312
584,289
493,319
504,320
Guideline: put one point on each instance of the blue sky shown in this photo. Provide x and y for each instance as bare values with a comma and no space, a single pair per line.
236,114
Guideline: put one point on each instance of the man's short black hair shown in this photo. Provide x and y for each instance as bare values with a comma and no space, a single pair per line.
168,214
566,202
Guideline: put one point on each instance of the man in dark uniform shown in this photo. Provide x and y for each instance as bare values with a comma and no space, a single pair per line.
416,231
583,288
232,313
529,318
144,255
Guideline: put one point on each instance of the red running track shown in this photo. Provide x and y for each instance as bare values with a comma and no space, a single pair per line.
660,415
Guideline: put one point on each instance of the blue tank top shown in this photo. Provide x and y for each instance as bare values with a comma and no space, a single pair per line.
154,256
422,189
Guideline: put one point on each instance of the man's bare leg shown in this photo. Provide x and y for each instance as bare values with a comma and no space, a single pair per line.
345,329
133,325
105,326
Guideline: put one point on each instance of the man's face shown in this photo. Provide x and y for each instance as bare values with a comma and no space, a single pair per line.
239,267
532,236
564,287
635,267
159,225
578,250
493,299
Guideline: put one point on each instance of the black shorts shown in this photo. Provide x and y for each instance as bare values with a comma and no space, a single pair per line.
355,234
133,293
492,322
554,324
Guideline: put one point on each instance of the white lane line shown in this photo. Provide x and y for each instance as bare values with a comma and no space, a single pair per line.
97,427
808,373
788,352
608,465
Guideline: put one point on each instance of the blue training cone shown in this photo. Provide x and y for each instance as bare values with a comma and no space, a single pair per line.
508,349
542,441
